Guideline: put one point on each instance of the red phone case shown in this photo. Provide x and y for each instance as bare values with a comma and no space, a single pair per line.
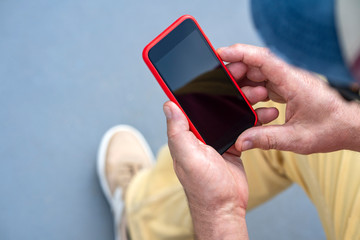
161,81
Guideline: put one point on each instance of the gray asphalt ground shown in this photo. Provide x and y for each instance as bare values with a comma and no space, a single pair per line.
71,69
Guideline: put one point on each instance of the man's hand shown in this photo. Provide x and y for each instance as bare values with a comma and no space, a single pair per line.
317,117
215,185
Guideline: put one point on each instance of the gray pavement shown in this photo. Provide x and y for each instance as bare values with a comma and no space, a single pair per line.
71,69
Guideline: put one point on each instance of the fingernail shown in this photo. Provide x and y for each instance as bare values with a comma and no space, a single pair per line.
246,145
167,112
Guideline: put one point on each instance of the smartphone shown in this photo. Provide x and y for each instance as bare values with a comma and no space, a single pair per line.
194,77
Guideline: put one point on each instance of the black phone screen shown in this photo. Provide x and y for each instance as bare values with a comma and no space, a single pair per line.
201,85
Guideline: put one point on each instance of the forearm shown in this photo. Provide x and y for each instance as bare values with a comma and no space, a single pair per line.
222,223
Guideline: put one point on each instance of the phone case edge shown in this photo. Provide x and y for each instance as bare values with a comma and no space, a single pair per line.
161,81
157,75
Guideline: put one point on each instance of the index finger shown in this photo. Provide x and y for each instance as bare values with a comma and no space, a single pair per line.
274,69
250,55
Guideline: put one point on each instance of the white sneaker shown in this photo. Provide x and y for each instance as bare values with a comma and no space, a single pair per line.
123,152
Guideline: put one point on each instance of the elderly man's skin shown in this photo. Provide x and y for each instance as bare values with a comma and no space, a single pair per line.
215,185
317,120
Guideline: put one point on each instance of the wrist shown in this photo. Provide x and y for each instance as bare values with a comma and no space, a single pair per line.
225,221
353,140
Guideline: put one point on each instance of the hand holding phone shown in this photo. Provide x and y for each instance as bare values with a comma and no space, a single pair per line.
193,76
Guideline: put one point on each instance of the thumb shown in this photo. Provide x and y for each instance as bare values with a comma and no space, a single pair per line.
176,121
182,142
278,137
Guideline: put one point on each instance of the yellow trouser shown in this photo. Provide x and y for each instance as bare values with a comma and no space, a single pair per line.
157,209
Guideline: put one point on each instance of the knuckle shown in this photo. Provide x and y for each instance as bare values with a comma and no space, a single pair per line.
266,51
270,142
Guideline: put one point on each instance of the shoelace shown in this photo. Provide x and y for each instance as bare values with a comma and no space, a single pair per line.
126,173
